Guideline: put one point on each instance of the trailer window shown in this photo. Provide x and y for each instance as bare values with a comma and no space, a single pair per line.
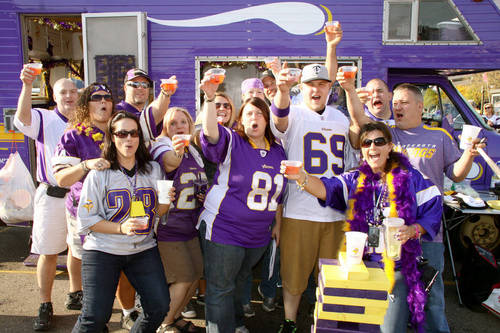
425,21
439,111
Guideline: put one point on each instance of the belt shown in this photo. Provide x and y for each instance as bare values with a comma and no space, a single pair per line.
56,191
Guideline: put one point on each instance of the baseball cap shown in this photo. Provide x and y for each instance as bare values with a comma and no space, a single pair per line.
251,83
315,72
267,73
136,72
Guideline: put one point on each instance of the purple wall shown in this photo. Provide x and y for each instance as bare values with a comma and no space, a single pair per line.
172,50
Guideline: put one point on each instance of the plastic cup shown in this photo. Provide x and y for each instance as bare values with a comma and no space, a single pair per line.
169,84
392,244
349,71
294,73
143,221
355,246
36,67
292,167
269,61
365,90
218,75
469,133
186,138
164,187
330,25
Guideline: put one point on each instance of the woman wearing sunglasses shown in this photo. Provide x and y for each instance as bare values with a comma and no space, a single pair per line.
115,240
78,152
385,184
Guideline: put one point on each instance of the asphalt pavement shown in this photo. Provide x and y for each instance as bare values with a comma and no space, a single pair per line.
19,298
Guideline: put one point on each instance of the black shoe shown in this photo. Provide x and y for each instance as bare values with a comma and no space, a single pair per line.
45,314
74,300
288,326
126,322
200,300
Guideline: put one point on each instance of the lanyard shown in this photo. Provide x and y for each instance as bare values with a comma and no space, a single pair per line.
377,209
134,184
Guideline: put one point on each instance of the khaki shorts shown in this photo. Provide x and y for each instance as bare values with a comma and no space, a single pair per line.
182,261
49,223
302,243
74,240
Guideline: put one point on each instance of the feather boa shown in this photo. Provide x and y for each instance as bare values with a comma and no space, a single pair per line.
401,201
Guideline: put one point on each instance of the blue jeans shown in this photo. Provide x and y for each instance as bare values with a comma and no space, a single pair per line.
100,275
435,317
397,315
227,268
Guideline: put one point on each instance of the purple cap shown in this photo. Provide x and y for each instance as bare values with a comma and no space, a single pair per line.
137,72
251,83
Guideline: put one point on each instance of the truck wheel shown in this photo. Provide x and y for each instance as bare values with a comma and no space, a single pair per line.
485,232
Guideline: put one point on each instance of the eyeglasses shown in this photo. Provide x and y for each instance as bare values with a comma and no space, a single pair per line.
98,98
136,85
488,107
124,134
225,105
379,142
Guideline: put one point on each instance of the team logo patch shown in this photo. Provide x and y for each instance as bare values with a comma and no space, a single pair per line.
263,153
89,205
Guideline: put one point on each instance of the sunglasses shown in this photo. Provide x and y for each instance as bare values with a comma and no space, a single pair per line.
379,142
136,85
124,134
98,98
225,105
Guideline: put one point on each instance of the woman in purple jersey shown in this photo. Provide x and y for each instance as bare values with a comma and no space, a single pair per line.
239,208
385,181
78,152
176,234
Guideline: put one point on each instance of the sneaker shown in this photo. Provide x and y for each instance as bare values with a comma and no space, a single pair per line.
74,300
126,322
267,302
45,314
189,311
248,311
288,326
241,329
200,300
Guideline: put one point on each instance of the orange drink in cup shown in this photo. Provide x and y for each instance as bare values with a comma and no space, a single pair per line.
218,75
269,61
186,138
168,85
36,68
349,71
330,25
292,167
294,73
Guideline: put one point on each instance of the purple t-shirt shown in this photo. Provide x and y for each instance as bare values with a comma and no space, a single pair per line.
184,211
71,150
241,204
149,117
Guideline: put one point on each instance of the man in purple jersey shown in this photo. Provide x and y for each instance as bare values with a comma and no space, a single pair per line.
137,85
49,220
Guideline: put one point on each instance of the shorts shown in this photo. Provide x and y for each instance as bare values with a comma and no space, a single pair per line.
302,243
74,240
49,223
182,261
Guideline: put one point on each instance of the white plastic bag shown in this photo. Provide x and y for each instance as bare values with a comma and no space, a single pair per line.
17,191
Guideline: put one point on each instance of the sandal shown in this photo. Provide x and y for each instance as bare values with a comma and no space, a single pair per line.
164,328
188,327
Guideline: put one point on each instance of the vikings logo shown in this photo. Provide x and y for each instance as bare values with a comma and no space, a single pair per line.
89,205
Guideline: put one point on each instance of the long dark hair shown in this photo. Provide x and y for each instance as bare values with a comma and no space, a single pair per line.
82,114
142,155
394,157
261,105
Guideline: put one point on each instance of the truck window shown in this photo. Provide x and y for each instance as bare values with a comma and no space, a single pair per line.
439,111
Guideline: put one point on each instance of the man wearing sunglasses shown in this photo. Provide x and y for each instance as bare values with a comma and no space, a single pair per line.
137,86
46,127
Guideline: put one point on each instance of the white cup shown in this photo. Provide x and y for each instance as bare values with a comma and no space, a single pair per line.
392,244
164,187
143,220
355,246
469,133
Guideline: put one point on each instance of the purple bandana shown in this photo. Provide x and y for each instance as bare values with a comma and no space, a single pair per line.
251,83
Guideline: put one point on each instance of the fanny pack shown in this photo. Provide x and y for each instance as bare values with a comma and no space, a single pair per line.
56,191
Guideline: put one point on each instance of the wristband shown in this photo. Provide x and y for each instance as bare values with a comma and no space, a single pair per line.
302,186
417,233
210,100
280,113
84,166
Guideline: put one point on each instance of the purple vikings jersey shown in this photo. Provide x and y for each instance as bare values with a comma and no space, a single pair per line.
146,119
248,186
46,128
183,214
71,150
107,195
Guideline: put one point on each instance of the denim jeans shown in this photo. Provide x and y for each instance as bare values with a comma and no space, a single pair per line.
227,268
100,275
397,315
435,316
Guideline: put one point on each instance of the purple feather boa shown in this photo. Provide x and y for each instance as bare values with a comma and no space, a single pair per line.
405,200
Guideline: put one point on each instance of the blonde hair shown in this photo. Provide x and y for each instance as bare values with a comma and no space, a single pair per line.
170,114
